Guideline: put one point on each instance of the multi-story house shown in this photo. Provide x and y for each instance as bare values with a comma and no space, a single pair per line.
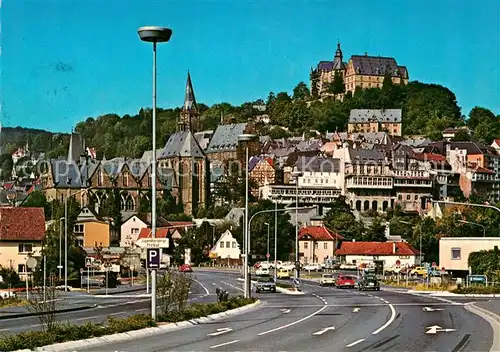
92,230
22,231
360,72
372,121
261,172
317,244
132,226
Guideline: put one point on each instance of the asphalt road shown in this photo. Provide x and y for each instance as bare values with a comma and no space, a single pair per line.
118,305
327,319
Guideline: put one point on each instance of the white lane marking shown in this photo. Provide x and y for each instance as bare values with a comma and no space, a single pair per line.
141,310
225,344
295,322
355,310
391,319
321,298
203,286
230,285
369,305
355,343
429,309
118,313
322,331
85,318
436,328
220,331
286,311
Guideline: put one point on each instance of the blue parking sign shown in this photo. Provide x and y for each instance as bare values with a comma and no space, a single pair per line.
153,258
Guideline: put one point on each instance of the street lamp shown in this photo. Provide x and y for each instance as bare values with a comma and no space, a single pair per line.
296,175
60,249
246,238
154,34
268,254
420,228
474,223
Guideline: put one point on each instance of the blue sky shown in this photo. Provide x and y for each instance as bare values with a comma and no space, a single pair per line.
65,60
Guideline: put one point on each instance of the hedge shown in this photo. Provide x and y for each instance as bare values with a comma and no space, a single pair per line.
478,290
64,332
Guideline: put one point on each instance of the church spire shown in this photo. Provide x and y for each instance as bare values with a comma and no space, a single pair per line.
189,113
338,52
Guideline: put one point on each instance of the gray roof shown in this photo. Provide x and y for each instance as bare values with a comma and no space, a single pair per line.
318,164
362,156
377,66
166,176
203,138
378,115
76,147
371,137
182,144
113,166
148,155
225,138
66,174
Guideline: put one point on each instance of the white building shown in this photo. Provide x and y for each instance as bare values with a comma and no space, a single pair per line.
226,248
387,252
130,230
454,251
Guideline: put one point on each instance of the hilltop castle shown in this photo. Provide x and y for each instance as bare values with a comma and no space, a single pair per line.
361,71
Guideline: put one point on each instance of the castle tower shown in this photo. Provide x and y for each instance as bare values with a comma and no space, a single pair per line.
189,119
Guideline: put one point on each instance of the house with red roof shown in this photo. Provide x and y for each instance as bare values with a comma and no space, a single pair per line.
317,244
22,231
387,252
261,171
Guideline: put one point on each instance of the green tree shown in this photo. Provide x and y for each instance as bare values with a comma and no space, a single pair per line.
301,92
337,86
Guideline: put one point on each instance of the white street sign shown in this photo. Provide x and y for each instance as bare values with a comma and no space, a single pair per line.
429,309
436,328
355,310
153,243
285,311
322,331
220,332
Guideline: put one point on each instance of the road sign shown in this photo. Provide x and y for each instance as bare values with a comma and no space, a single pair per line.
398,262
31,263
88,261
434,264
153,258
296,282
268,255
153,243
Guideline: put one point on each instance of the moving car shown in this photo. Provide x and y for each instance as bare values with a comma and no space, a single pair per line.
313,267
345,281
327,279
265,284
185,268
262,271
283,274
369,282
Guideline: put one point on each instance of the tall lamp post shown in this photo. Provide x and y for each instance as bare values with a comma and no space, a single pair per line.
275,238
296,174
474,223
246,239
154,34
268,254
420,228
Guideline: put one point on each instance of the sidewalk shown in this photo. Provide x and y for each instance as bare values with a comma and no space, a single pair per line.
21,312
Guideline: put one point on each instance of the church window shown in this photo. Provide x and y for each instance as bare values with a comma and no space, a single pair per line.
100,178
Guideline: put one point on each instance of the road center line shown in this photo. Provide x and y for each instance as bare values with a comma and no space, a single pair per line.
391,319
355,343
225,344
295,322
203,286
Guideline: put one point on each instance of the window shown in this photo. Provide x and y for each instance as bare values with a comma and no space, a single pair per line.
100,178
222,244
234,244
455,253
125,179
134,231
325,245
21,268
305,245
25,248
78,228
228,244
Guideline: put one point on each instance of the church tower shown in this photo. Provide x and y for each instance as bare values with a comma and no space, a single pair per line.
189,119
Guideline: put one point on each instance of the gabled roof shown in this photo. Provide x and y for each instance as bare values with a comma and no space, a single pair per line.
362,156
318,164
318,233
76,147
22,224
160,233
225,138
377,66
189,99
182,144
376,248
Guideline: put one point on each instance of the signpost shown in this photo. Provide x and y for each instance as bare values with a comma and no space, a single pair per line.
88,264
31,263
153,258
153,243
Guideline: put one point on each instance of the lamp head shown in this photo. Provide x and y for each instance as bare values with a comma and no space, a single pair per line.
154,34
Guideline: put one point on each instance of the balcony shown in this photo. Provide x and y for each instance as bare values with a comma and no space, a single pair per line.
418,174
307,195
370,182
413,183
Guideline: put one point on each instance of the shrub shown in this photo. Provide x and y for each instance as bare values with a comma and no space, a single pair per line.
478,290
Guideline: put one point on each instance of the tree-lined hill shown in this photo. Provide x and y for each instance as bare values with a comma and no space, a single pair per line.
427,110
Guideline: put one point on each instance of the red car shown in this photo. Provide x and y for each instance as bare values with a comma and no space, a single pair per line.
345,281
185,268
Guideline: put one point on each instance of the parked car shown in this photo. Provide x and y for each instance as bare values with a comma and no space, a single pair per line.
286,266
312,267
345,281
369,282
262,271
265,284
326,280
185,268
7,294
283,274
419,271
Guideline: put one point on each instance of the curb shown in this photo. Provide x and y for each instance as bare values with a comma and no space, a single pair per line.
135,334
492,318
24,315
288,292
118,292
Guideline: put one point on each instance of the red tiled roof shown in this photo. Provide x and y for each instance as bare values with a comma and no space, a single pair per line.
22,224
180,223
270,161
376,248
160,233
430,157
319,233
482,170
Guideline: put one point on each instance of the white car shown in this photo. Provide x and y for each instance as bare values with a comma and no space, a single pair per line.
7,294
286,266
313,267
327,279
262,271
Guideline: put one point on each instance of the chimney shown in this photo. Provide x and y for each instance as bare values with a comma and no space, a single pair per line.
394,247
